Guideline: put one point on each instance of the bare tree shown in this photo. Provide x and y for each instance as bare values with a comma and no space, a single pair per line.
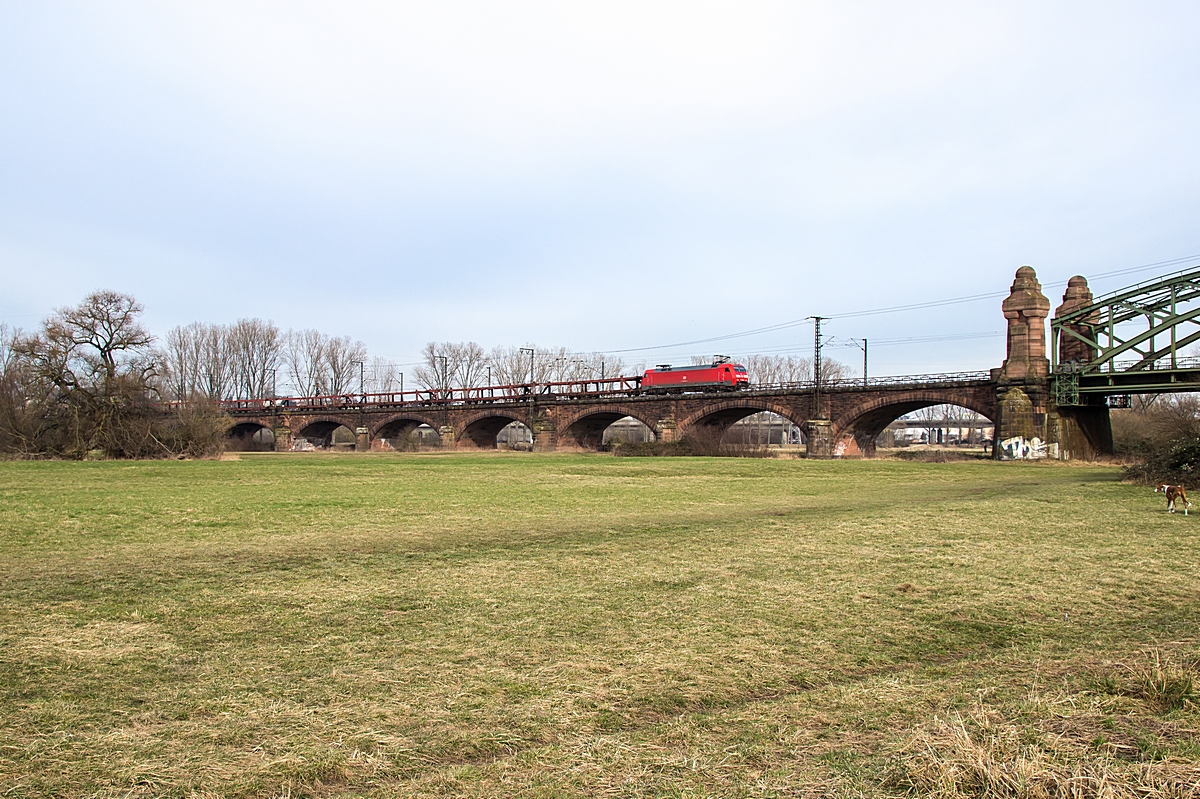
1155,422
345,362
216,363
450,364
383,376
550,365
182,359
962,418
24,400
95,364
254,348
510,366
304,360
594,366
833,371
931,416
465,365
471,368
792,369
764,368
90,378
436,370
1178,417
103,330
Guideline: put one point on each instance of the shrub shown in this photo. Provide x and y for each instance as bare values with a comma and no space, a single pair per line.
194,429
1178,464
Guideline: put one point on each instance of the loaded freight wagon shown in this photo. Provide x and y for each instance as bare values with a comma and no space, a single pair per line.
681,378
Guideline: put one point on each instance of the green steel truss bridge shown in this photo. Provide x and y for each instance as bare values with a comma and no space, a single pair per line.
1128,342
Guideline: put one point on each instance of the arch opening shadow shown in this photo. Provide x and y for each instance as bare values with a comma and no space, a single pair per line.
406,435
593,431
627,429
250,437
748,426
515,436
943,421
763,429
485,433
326,434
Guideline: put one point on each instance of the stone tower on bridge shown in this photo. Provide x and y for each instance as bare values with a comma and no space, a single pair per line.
1081,429
1071,349
1022,393
1026,310
1024,405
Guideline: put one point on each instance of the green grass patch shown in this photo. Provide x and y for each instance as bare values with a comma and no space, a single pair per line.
446,625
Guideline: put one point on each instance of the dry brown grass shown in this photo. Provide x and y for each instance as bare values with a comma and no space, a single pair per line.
988,756
1066,743
518,625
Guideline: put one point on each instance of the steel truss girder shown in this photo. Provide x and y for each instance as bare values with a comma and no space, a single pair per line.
1168,305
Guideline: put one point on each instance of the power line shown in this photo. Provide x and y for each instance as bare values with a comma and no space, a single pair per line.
900,308
997,294
889,310
884,342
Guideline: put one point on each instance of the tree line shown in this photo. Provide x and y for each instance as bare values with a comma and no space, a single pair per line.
252,358
468,365
449,364
92,377
88,381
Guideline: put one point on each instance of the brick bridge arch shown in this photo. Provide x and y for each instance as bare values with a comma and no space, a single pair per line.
862,423
585,428
240,435
401,425
245,427
479,430
323,427
720,416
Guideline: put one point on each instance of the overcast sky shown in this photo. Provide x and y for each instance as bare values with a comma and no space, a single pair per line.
604,177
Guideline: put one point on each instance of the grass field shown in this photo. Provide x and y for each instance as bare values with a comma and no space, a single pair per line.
493,625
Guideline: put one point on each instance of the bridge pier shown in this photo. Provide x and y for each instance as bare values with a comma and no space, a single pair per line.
283,438
819,433
1022,382
1021,412
544,439
1025,408
666,429
362,439
1081,431
446,435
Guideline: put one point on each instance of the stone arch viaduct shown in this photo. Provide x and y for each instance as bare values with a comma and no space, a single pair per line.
844,421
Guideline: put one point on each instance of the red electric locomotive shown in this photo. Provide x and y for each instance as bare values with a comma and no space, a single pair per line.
719,375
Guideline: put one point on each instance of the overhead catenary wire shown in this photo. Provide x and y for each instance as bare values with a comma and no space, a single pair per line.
916,306
885,342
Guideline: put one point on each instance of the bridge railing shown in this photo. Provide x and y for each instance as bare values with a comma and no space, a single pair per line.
1165,363
886,381
519,392
566,389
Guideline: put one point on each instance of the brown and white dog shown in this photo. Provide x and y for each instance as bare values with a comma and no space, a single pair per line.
1173,493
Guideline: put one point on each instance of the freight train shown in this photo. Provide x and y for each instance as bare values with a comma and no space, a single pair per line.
719,375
